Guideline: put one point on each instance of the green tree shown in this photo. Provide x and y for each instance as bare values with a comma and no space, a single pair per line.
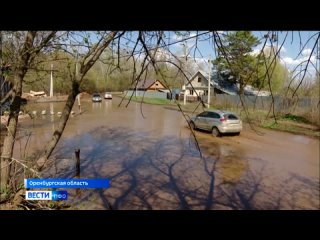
270,73
277,75
37,78
234,55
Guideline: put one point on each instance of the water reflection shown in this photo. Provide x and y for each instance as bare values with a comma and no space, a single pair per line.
52,116
108,105
106,113
96,105
51,109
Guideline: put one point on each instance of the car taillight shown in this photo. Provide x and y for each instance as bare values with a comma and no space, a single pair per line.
222,119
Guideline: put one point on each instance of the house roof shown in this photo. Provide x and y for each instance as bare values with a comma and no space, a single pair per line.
204,74
144,84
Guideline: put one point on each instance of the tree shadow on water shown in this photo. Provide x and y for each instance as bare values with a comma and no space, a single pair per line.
147,172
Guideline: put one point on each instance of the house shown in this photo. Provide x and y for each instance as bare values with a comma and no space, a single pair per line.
198,86
149,89
149,85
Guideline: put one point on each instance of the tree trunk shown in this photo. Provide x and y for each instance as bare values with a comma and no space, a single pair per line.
11,132
241,87
241,90
8,150
9,140
62,124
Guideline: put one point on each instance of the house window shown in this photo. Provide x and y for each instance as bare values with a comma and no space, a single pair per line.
157,84
191,92
199,79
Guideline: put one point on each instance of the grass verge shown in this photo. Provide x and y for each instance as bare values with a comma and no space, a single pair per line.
292,127
155,101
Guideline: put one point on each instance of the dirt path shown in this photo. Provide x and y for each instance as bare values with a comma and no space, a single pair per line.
287,164
289,152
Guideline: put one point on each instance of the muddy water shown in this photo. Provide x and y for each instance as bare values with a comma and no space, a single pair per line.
153,161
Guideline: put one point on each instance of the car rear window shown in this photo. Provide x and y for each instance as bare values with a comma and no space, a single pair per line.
203,114
96,95
230,117
213,115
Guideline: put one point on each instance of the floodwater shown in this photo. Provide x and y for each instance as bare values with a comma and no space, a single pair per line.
153,162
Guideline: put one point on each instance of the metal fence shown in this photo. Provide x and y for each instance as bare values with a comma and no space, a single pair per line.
146,94
280,103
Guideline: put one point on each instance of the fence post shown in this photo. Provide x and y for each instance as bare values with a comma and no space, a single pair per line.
79,103
77,153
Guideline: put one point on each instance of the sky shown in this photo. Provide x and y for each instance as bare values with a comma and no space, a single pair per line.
290,54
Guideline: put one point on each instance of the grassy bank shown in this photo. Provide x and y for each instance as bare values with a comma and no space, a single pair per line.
155,101
284,122
296,127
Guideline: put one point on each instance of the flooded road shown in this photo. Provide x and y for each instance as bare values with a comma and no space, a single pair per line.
154,163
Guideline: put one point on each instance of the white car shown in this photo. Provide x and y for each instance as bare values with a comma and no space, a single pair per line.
217,121
107,95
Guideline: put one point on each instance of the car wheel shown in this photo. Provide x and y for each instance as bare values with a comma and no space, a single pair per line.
192,125
215,132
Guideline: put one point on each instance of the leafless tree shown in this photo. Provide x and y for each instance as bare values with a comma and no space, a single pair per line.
87,49
28,46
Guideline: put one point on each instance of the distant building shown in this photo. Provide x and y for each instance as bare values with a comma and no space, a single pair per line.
149,88
149,85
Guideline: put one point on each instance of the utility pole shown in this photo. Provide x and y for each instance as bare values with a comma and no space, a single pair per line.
209,82
1,87
184,87
51,83
318,56
102,75
184,94
78,97
1,51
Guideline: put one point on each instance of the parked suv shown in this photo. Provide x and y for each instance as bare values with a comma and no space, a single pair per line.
217,122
